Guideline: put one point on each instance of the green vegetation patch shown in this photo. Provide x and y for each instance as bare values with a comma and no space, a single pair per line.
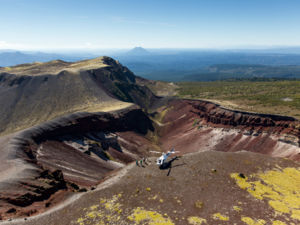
279,97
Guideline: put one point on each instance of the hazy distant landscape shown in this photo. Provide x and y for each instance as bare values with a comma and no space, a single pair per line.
185,65
251,80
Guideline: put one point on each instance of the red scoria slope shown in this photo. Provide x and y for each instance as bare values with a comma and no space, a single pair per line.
191,125
46,163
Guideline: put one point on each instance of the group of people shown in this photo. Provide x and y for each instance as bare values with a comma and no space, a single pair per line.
142,162
161,161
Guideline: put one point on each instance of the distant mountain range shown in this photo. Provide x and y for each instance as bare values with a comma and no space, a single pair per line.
183,64
10,57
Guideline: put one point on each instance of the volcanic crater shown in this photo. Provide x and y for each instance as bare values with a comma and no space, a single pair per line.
69,129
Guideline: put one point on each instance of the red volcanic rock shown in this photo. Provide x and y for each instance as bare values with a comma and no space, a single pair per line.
192,125
54,163
215,114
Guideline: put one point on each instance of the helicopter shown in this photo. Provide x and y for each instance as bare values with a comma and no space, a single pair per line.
161,160
164,164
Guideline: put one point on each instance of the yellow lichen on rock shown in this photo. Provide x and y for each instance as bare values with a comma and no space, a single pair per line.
140,216
251,221
237,208
280,187
80,221
279,206
242,182
199,204
154,197
93,207
278,222
219,216
296,214
107,212
91,215
194,220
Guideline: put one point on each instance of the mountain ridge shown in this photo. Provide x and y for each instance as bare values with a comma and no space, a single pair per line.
34,93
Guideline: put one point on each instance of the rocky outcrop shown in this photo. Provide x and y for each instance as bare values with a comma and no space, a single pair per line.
212,113
119,82
54,180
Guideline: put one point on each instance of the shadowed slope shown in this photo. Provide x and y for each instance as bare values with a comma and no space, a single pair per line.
34,93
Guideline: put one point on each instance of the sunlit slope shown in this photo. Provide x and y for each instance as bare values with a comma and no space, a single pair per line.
56,66
34,93
201,188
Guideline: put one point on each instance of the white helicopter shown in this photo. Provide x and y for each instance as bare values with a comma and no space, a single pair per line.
160,161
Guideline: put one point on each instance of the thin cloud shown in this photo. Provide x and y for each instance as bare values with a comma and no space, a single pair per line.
10,45
118,19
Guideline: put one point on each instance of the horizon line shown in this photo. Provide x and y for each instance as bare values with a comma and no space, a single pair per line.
240,47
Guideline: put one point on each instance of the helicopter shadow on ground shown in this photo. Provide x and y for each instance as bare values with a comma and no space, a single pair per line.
169,165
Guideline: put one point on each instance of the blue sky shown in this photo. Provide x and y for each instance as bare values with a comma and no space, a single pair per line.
95,24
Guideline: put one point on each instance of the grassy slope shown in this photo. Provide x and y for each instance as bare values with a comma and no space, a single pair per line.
277,97
29,100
